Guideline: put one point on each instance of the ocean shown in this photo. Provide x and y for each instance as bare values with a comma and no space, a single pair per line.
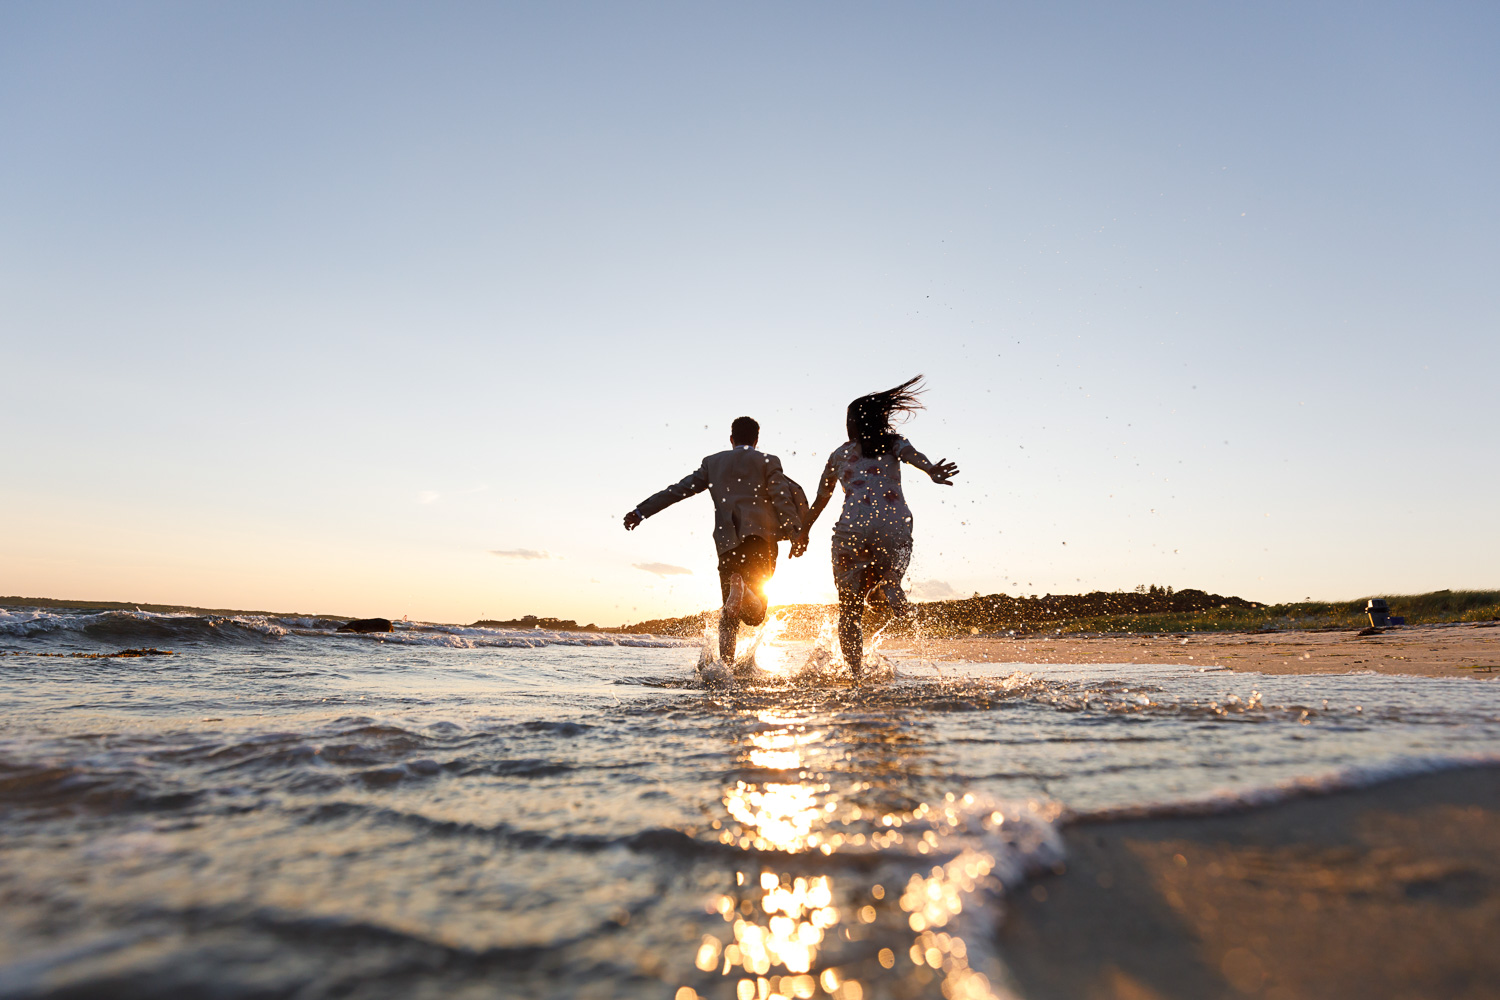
279,810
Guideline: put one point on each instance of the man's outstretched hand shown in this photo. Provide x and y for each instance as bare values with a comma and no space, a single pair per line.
632,520
943,472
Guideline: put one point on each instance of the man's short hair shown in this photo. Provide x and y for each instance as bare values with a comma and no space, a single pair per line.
744,430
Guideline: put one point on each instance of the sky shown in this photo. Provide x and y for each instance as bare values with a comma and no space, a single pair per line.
396,309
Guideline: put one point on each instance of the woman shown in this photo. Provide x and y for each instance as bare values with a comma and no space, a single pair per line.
872,539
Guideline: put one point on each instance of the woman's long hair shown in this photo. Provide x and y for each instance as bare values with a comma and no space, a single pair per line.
869,417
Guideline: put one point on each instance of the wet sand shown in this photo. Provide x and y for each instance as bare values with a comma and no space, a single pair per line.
1460,650
1387,892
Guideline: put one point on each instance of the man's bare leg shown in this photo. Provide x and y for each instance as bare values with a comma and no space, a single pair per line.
729,618
735,602
729,629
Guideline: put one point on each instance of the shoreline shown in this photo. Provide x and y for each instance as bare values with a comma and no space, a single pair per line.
1450,650
1392,890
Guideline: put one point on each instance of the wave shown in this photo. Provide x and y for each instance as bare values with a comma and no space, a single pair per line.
116,627
1344,779
141,627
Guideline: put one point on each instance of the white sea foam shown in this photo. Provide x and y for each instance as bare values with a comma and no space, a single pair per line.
985,847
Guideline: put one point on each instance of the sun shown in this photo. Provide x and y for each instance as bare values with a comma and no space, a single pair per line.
801,581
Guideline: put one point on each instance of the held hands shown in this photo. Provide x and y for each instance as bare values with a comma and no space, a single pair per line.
943,472
799,545
633,519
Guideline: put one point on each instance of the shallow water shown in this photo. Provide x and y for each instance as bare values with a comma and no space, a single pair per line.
275,810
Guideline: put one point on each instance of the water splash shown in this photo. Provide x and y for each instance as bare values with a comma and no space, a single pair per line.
763,658
758,656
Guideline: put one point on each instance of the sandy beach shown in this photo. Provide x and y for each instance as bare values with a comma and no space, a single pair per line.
1391,891
1457,650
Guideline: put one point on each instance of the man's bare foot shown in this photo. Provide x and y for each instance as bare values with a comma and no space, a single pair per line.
753,607
736,599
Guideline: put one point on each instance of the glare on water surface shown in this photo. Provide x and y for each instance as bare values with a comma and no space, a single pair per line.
795,935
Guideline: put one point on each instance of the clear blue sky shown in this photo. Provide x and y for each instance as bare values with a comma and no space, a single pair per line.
318,306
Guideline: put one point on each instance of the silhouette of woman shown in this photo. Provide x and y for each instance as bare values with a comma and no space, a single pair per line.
872,540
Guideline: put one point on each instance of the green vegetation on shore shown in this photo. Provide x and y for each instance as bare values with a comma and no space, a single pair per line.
1157,609
1417,609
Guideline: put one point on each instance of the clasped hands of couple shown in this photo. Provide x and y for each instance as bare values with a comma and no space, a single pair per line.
942,473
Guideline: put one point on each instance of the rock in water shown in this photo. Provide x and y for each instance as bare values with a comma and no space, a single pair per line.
366,625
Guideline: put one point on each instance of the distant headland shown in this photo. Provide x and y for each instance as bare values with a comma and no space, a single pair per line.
549,624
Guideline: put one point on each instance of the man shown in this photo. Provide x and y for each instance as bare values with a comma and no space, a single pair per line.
755,505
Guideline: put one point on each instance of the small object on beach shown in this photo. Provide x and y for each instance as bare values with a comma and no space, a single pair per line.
1372,630
1378,611
366,625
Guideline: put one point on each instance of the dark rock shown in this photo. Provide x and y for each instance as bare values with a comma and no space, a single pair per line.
367,625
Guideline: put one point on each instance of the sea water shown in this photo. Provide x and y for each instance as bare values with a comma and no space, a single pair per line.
278,810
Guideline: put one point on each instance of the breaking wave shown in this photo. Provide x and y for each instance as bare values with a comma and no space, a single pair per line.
148,627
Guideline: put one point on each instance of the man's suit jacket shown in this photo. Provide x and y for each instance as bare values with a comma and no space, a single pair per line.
752,496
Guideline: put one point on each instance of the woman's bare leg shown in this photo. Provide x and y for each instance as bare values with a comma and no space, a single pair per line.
851,630
897,601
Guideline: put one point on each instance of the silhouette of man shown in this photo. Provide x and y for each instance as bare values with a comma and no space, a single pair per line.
755,505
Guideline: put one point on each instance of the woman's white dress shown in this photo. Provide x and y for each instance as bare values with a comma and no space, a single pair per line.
872,540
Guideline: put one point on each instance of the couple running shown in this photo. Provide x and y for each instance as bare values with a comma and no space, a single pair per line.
756,505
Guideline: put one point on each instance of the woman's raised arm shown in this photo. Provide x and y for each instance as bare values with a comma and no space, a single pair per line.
942,471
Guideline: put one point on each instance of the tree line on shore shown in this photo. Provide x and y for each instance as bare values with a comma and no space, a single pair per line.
1146,609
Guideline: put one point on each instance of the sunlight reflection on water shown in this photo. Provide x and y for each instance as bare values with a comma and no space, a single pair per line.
780,921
